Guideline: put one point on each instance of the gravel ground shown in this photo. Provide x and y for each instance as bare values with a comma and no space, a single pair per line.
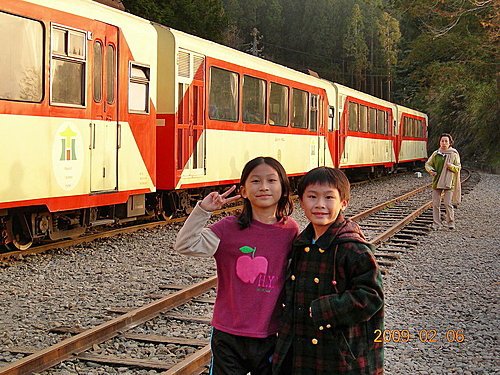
449,283
434,287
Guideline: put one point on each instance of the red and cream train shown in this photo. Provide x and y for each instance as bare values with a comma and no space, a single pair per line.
108,117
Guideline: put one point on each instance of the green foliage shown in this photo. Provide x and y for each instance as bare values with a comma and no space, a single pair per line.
355,46
450,73
204,18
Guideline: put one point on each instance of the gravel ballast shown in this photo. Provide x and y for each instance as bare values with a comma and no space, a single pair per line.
448,283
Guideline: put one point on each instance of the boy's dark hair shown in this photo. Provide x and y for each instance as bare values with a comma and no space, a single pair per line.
285,204
333,177
447,135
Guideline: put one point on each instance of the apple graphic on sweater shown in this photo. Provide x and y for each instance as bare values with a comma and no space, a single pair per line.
249,267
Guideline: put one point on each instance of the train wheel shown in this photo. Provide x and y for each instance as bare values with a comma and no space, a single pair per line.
18,231
166,215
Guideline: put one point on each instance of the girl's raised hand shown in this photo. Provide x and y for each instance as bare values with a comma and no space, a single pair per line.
215,201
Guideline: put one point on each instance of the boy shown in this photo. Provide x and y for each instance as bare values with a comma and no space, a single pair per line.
334,298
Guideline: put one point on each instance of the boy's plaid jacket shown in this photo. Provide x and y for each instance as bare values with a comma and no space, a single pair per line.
338,279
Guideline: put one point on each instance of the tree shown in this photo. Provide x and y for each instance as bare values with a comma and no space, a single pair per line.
452,62
204,18
355,47
389,38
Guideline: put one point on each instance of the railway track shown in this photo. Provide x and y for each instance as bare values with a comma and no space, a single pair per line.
393,227
104,232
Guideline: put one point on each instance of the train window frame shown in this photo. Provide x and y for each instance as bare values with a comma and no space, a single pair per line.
65,57
281,109
137,80
37,59
249,115
213,113
300,111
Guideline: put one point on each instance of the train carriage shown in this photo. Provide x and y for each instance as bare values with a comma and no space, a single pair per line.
365,130
108,118
218,108
411,137
77,129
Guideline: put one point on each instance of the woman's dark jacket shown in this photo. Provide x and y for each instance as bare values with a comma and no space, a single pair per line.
339,280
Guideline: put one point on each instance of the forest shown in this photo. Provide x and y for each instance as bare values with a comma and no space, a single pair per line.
438,56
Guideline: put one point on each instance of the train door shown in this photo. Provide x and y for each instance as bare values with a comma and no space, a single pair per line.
191,114
104,126
343,129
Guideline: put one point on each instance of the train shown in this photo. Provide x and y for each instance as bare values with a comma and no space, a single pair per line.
106,117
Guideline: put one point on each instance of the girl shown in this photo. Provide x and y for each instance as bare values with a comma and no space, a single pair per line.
251,252
444,165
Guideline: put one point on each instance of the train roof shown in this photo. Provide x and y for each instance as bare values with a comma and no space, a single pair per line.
348,91
411,111
218,51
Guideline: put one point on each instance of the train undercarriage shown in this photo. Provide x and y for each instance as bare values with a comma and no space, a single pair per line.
22,227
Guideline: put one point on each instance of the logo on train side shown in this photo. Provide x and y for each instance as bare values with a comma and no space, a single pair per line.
67,156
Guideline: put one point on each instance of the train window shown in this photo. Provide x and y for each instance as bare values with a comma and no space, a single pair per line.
138,90
254,100
363,118
381,126
313,113
110,73
299,108
97,71
183,64
331,119
278,105
372,120
321,112
22,58
59,41
353,116
180,108
68,66
223,96
386,123
67,82
76,46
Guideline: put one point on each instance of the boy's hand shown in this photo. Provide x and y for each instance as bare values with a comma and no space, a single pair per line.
215,201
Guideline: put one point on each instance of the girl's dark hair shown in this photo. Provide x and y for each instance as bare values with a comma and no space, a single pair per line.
326,176
285,204
449,137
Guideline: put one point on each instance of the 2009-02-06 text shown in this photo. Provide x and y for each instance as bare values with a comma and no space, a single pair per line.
423,335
